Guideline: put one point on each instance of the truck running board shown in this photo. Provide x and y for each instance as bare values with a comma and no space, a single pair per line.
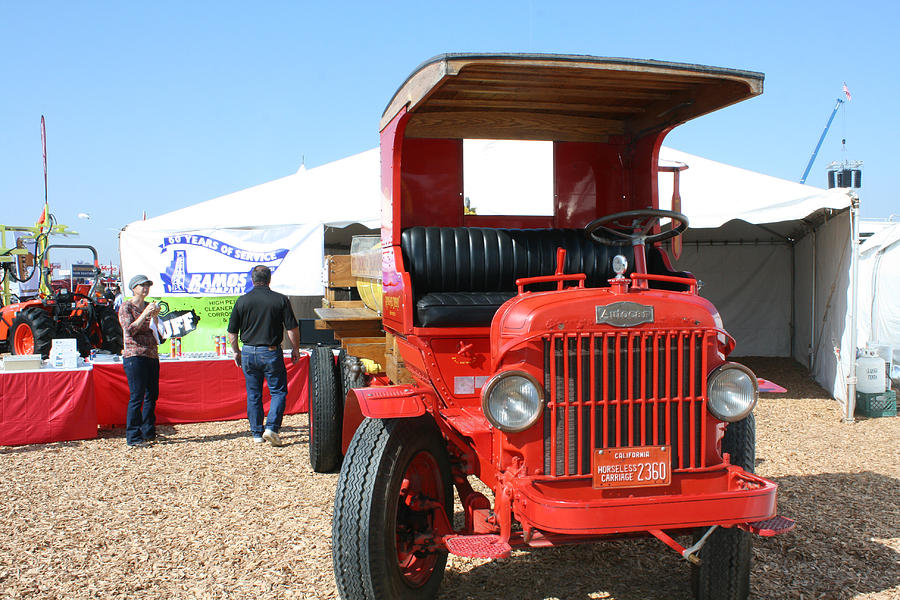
478,546
770,527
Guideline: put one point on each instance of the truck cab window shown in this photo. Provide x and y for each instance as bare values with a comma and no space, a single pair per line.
508,177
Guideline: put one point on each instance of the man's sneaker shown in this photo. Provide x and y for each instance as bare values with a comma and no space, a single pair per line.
271,437
257,439
141,444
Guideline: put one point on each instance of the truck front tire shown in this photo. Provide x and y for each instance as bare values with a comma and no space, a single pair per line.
724,571
383,529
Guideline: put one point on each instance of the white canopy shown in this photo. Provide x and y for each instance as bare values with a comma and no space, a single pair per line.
348,191
780,290
714,193
335,194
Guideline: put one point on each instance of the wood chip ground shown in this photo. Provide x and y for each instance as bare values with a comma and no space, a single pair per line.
208,514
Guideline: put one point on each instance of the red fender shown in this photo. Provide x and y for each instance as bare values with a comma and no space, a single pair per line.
384,402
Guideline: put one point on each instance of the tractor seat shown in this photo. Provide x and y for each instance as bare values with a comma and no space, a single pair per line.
462,275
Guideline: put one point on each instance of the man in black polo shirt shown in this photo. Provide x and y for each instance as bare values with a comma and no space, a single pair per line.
261,316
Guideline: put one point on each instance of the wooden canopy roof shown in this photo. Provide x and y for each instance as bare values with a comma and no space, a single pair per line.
560,97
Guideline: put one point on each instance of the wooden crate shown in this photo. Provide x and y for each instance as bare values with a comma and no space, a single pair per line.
357,327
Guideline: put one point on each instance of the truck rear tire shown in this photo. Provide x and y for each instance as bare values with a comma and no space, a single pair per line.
325,412
32,332
382,547
724,572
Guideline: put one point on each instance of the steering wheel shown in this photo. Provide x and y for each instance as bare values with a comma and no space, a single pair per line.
631,226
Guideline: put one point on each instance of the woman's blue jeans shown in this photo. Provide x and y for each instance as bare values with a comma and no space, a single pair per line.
143,384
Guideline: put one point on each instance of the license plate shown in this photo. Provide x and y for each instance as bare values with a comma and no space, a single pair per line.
632,467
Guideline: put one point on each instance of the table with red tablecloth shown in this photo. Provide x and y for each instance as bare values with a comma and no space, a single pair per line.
194,391
43,406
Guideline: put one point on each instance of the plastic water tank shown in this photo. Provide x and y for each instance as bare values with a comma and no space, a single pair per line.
870,373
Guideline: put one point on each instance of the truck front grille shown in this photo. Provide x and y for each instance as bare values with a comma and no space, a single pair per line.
624,389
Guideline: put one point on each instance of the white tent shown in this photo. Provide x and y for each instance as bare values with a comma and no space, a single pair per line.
280,223
773,254
879,290
714,193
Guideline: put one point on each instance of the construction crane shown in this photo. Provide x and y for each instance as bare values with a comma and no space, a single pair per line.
812,158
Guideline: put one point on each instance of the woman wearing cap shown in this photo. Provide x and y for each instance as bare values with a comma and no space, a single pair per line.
140,326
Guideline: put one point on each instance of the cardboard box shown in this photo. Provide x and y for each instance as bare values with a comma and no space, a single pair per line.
22,362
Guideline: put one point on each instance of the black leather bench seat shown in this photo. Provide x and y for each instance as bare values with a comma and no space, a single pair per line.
460,309
461,275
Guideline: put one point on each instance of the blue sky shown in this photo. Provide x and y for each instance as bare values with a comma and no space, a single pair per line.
158,105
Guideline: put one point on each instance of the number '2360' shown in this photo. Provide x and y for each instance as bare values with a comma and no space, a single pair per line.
652,471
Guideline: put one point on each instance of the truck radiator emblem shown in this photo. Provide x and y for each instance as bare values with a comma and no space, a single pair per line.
624,314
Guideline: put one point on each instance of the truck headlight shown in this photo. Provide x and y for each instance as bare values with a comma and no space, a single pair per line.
733,391
512,401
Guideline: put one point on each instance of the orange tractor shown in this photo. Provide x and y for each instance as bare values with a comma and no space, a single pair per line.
85,314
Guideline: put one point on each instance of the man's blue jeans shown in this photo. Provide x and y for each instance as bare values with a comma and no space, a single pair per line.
258,363
143,385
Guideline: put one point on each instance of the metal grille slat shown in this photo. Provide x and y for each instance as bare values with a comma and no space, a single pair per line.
621,389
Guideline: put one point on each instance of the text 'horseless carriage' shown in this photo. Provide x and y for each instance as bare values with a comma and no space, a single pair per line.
556,357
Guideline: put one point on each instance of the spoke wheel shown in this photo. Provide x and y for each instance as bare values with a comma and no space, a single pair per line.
395,478
420,485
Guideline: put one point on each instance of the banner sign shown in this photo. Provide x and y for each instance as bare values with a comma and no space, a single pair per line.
82,271
179,323
223,248
180,278
218,262
203,318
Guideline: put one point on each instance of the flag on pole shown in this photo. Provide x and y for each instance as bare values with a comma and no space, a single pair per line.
44,149
43,219
846,91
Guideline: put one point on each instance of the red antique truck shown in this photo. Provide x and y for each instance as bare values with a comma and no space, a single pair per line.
556,358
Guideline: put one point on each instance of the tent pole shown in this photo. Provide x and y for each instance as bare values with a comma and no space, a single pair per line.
812,316
792,347
850,405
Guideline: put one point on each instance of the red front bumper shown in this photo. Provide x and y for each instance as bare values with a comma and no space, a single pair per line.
571,506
